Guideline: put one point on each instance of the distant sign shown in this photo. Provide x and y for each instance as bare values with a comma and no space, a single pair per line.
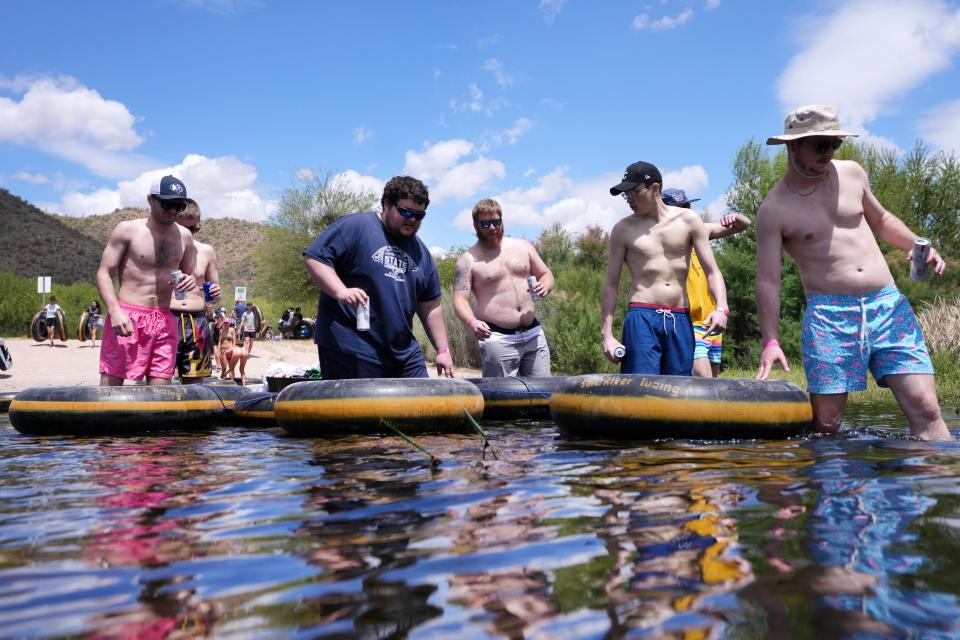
240,294
43,284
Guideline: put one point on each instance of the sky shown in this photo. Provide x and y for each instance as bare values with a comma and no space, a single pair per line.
540,104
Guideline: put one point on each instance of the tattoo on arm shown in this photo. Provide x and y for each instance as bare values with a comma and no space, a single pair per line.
461,276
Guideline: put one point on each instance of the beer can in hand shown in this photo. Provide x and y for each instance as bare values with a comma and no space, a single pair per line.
619,352
532,282
175,275
363,317
206,292
918,264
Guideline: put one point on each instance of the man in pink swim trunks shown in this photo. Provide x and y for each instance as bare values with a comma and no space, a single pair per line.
140,333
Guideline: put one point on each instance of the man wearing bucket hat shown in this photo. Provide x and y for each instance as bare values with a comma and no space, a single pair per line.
823,213
655,243
708,348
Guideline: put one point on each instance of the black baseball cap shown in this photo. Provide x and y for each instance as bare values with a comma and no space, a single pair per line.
636,174
168,188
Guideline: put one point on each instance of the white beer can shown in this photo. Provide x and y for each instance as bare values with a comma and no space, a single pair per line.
532,282
363,317
175,275
619,352
918,264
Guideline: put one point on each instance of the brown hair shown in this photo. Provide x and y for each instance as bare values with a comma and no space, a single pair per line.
487,205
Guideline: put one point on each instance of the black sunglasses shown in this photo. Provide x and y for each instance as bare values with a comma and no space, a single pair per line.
825,145
407,213
175,205
486,223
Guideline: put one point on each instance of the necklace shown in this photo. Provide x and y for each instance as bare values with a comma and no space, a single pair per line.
802,193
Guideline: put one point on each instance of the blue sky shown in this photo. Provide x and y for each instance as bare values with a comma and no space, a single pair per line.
538,103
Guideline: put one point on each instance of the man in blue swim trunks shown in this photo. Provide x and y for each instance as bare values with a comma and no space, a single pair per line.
655,243
824,215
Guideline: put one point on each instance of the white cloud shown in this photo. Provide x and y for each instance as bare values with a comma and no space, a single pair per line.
643,21
221,186
362,134
64,118
467,179
941,126
32,178
507,136
436,159
495,67
475,103
440,165
359,182
864,76
551,8
692,179
713,4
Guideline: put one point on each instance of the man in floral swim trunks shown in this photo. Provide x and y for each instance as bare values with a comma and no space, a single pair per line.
823,213
140,332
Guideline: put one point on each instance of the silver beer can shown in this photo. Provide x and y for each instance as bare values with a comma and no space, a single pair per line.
175,275
532,282
918,264
619,352
363,317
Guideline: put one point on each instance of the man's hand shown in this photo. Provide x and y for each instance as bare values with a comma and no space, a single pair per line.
444,363
352,297
770,356
120,322
735,221
934,259
480,329
716,322
186,283
215,290
609,345
540,289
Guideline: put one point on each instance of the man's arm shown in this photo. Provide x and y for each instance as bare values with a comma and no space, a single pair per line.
110,261
188,262
212,274
889,227
609,295
539,269
462,289
326,278
431,315
715,283
730,224
769,257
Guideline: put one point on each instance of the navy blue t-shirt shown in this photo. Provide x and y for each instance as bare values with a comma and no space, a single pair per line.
397,274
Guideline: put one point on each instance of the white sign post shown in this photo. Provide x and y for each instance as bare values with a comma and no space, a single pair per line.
239,294
43,287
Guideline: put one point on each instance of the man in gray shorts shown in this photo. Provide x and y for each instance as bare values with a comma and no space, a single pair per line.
495,271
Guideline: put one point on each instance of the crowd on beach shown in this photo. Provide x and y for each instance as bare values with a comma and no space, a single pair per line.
375,274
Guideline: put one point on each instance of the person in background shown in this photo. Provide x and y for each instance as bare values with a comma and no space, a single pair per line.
248,327
94,320
51,318
375,260
140,337
655,243
708,348
823,213
495,271
195,345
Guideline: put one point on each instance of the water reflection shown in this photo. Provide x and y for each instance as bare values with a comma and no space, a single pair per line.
251,533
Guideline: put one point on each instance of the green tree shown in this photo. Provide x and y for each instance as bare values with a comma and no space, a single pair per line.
592,247
304,211
555,246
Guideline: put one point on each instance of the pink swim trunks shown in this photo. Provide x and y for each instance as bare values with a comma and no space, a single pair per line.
150,350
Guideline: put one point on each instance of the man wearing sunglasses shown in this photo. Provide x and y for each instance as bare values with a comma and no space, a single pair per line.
140,332
655,244
195,346
495,271
375,259
823,213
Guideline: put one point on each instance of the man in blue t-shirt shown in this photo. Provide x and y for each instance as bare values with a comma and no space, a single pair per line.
376,261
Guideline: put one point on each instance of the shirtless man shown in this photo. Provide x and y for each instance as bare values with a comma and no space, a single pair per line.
655,243
140,334
495,270
195,344
824,215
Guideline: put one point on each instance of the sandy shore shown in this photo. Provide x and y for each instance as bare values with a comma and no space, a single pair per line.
37,364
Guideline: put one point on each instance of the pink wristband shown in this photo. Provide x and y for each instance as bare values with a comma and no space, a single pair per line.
442,350
724,310
771,343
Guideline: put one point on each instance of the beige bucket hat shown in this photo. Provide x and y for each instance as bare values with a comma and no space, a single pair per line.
812,120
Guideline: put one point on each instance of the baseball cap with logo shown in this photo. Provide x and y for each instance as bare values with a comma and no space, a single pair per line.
168,188
636,174
813,120
676,198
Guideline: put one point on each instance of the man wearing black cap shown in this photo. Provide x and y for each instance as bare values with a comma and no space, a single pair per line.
823,213
140,332
655,243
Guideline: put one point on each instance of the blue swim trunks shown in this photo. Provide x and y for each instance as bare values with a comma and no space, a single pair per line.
845,335
659,340
709,347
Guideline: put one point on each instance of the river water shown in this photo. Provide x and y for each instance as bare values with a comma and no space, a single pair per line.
248,533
